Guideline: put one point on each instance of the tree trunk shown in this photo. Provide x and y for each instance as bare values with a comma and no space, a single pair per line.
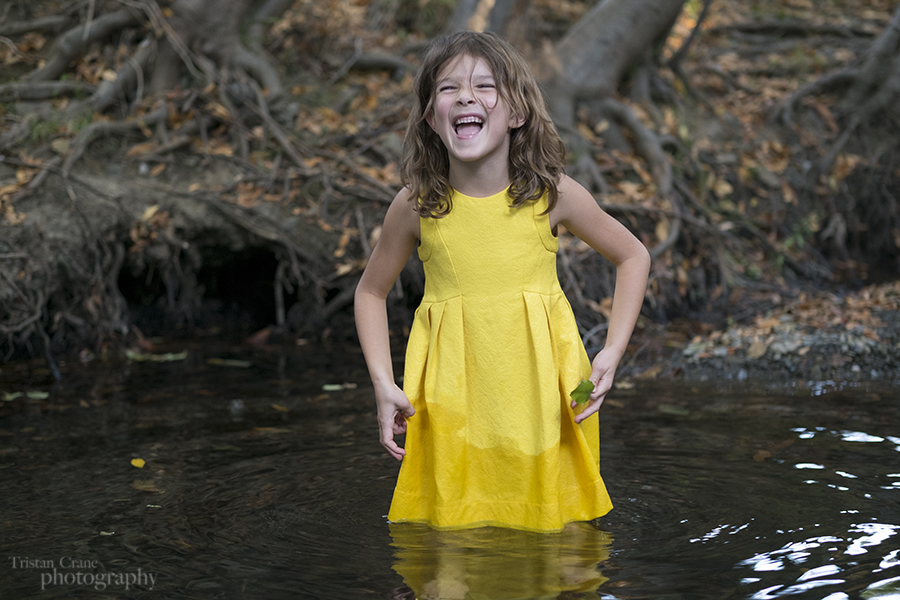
506,17
598,51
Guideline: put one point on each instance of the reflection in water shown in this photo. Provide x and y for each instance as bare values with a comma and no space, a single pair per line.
264,478
493,563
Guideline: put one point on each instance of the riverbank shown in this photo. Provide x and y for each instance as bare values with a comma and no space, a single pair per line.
822,339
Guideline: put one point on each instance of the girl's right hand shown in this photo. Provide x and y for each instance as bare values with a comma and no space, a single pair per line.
393,410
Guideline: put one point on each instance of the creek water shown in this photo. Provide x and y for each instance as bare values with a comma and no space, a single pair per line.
263,478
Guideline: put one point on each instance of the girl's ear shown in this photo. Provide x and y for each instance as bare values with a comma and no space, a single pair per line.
516,121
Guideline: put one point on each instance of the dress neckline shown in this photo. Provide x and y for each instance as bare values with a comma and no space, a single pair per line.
503,192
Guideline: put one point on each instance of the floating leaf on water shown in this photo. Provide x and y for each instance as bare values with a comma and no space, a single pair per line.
145,485
138,462
145,357
333,387
37,395
270,430
582,393
225,448
107,533
762,455
10,396
668,409
154,506
229,362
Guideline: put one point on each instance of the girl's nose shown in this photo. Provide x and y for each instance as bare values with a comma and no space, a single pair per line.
465,96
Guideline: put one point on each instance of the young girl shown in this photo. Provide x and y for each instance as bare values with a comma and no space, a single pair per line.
492,437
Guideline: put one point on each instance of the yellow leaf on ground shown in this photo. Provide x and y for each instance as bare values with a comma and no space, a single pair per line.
723,188
138,462
149,212
144,148
757,350
662,229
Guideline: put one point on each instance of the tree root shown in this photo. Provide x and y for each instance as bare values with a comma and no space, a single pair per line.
647,143
106,128
50,24
130,75
794,28
42,90
76,41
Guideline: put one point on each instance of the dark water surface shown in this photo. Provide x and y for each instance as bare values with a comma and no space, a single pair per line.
263,478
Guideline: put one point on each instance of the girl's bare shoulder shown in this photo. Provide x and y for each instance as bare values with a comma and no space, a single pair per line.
402,217
573,199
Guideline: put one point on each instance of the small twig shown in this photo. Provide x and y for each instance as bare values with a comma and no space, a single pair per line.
679,54
793,27
363,236
357,53
273,174
161,24
102,128
388,192
46,167
593,332
279,295
294,152
89,21
12,47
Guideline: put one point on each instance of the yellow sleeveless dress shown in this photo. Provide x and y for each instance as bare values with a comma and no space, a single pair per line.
493,353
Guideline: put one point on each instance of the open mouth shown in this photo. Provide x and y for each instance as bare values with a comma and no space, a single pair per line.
468,126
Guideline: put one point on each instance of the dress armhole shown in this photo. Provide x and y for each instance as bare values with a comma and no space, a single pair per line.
542,223
425,237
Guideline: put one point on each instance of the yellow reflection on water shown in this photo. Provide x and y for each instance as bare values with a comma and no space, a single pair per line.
492,563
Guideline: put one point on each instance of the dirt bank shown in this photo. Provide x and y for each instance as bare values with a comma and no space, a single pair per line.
811,342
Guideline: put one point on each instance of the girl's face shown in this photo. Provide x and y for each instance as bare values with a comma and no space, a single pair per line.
469,113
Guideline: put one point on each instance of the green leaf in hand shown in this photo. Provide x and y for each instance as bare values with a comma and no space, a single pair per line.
581,393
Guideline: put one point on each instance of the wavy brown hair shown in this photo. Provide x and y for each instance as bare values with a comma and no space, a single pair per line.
536,152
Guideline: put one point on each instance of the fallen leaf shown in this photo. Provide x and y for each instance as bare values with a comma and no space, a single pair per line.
143,148
167,357
229,362
650,373
145,485
60,146
138,462
757,350
678,411
149,212
762,455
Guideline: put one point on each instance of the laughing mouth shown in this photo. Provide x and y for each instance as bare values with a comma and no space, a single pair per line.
468,125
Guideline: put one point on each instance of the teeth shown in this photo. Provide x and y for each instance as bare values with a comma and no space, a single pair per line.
463,120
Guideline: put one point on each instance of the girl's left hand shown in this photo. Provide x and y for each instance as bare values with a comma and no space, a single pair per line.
602,375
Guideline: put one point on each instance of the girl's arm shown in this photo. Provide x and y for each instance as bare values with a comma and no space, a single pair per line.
579,213
399,236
